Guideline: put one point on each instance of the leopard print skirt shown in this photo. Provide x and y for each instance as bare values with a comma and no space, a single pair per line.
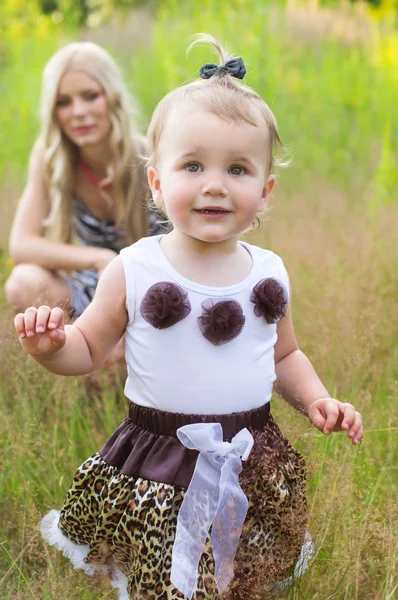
119,521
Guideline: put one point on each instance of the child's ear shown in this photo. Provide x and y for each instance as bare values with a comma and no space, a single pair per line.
154,184
267,189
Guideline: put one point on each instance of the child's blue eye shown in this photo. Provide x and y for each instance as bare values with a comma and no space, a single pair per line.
192,167
237,170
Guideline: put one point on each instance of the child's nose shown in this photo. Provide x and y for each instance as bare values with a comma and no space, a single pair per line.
214,186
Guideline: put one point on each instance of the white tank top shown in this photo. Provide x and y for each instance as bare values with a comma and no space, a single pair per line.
177,369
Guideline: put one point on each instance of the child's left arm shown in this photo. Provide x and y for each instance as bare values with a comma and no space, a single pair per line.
298,383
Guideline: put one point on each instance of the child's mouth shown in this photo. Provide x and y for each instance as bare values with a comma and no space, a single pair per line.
212,211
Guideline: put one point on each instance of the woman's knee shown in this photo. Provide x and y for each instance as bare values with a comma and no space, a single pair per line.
27,285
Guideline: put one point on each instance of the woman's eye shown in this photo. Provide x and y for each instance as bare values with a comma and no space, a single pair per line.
63,102
92,97
192,167
236,170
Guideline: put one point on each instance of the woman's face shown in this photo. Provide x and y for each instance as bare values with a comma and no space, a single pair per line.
81,109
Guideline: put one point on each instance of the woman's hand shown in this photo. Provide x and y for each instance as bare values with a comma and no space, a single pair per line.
41,330
102,259
328,414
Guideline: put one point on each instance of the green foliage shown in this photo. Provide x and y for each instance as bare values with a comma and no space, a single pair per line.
89,13
18,21
20,82
384,184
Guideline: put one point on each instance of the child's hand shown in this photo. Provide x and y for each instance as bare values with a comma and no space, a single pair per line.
329,415
41,330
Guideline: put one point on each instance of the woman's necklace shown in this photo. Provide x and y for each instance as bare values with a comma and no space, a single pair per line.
92,178
102,189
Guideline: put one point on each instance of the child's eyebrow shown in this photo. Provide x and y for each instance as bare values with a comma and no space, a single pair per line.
200,151
193,152
245,159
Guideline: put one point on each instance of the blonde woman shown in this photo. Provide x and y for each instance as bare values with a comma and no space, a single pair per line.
86,195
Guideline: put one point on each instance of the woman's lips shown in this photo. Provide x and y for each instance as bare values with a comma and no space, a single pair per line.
83,129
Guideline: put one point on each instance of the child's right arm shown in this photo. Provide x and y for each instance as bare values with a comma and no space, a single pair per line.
84,346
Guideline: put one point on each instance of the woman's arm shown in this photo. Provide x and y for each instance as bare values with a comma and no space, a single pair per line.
27,241
84,346
298,383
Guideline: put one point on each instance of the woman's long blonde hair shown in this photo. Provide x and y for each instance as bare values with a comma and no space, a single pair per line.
61,157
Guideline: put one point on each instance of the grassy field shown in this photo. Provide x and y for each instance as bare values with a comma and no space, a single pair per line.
331,77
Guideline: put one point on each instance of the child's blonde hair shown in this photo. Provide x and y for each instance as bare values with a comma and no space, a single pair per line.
61,155
222,95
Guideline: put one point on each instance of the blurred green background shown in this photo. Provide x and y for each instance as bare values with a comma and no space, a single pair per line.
329,71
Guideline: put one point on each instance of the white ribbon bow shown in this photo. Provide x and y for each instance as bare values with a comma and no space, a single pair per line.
213,498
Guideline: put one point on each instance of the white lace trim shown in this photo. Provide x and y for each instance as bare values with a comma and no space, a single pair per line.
307,551
78,552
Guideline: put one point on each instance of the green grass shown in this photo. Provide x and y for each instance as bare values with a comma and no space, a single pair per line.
331,79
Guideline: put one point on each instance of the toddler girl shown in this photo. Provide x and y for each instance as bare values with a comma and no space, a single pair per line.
166,507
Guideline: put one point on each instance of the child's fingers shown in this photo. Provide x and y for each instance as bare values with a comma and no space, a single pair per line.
58,338
19,324
356,426
317,419
43,312
332,415
349,415
56,318
30,321
57,328
358,436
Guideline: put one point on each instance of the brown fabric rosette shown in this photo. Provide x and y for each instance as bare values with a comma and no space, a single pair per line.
222,321
270,300
165,304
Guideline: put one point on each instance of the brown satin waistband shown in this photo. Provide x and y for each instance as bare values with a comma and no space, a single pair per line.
160,422
146,445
